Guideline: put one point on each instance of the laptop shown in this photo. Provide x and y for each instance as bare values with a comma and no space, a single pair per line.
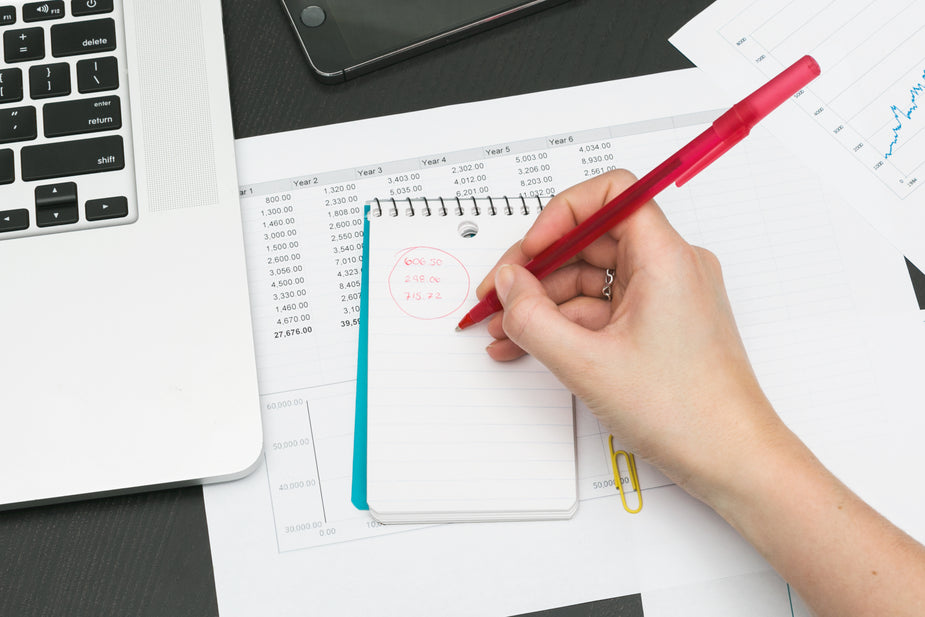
126,350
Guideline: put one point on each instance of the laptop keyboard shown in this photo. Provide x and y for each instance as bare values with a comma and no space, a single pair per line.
65,131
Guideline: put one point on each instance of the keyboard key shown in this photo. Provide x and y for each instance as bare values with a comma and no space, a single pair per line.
14,220
42,11
102,209
83,37
97,75
47,80
23,45
56,204
7,170
49,216
17,124
72,158
10,85
7,15
62,194
82,116
80,8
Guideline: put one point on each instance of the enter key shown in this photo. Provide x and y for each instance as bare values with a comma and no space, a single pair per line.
82,116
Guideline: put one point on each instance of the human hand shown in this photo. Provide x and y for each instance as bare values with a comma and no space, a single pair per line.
663,367
662,364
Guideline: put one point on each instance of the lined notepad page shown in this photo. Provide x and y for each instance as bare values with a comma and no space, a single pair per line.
452,434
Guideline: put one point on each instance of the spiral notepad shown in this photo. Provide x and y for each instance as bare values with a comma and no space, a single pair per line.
453,435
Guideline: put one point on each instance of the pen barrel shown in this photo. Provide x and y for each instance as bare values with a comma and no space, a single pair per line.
487,306
614,211
736,123
753,108
725,132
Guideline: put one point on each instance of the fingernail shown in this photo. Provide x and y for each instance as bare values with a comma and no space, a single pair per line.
504,280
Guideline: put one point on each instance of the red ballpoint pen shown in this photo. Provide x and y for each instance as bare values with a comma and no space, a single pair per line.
725,132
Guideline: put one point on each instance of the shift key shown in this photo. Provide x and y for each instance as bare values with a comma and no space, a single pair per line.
72,158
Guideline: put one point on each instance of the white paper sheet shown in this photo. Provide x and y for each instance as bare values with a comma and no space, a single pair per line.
452,436
833,333
860,124
758,594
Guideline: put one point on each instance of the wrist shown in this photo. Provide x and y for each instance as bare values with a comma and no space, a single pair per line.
748,461
766,483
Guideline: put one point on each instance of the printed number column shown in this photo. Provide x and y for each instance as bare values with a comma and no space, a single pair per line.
344,218
284,268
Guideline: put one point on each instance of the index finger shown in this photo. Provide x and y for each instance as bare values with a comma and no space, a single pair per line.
513,255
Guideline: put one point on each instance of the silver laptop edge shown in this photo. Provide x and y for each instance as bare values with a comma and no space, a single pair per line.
126,354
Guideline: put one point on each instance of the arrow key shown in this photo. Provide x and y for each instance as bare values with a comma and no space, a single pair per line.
14,220
49,216
56,204
64,193
110,208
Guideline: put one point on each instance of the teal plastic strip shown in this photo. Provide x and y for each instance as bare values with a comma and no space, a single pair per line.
358,489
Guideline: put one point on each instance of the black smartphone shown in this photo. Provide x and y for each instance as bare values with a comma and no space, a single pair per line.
346,38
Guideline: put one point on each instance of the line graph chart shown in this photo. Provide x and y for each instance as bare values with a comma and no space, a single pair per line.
872,88
900,114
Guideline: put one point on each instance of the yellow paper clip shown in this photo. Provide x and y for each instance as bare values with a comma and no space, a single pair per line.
633,476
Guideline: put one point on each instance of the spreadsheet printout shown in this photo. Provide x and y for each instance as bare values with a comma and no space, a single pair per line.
796,285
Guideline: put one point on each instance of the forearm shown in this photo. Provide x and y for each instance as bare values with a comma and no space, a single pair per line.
841,556
662,365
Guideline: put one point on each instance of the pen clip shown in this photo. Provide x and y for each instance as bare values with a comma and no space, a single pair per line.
633,476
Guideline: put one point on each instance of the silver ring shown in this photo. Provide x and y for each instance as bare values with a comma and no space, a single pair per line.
608,283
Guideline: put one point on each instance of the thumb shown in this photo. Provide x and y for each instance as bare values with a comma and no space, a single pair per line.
533,321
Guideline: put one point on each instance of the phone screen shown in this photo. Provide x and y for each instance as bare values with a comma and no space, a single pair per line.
356,36
372,27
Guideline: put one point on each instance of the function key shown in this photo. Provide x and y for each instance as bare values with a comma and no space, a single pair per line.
83,37
25,44
97,75
14,220
17,124
7,15
10,85
43,11
7,171
46,80
90,7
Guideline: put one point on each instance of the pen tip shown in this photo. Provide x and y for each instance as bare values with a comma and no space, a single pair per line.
458,329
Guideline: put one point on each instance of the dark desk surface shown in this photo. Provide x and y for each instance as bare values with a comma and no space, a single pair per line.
148,554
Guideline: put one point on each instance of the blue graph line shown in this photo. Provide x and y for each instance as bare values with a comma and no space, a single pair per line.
899,114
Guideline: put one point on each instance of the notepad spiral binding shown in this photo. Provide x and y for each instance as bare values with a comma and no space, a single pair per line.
458,206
